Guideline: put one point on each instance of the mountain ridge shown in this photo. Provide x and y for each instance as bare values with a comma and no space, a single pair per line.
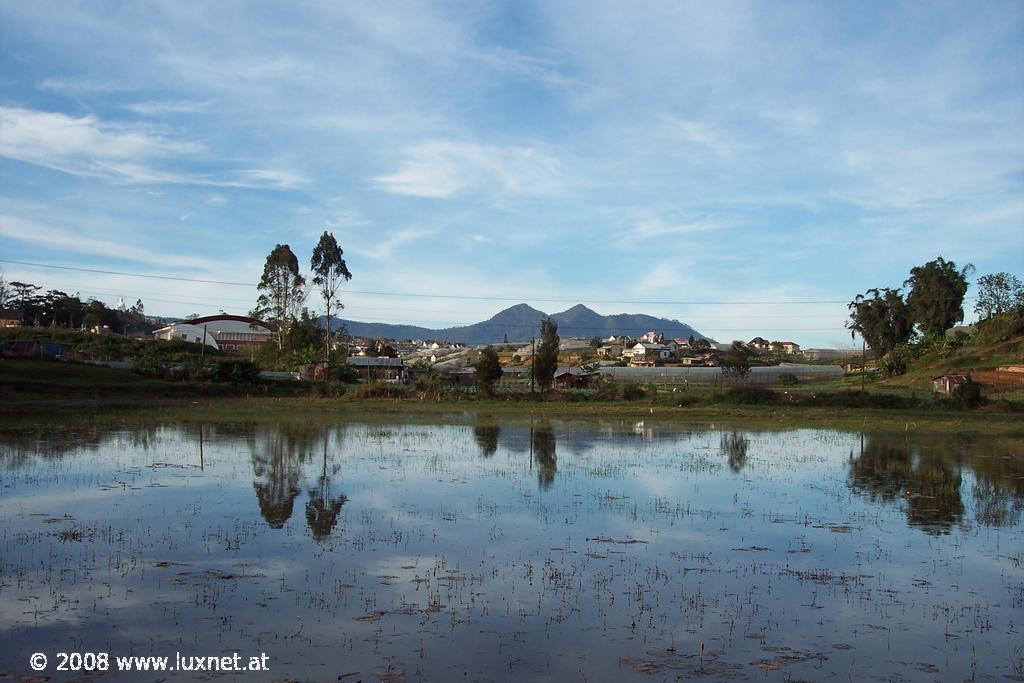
521,322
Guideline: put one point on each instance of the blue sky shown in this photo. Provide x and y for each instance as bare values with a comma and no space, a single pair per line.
636,157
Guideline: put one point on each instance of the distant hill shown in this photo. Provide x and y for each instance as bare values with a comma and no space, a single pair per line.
521,322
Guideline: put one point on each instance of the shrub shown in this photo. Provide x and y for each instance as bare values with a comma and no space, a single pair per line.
147,361
968,395
632,392
345,374
788,379
751,395
237,371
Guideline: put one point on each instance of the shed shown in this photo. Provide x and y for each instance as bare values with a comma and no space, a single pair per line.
946,384
574,377
378,369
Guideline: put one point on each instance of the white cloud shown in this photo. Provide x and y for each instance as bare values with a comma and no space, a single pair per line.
445,168
117,152
692,132
161,108
23,230
80,86
385,248
656,227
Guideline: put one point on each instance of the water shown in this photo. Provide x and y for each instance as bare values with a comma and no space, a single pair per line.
541,550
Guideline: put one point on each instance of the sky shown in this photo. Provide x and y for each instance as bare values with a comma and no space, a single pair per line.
746,168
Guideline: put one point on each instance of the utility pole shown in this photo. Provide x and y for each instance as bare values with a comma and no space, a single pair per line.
863,362
202,349
533,363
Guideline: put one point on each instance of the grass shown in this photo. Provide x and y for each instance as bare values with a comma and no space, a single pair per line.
34,391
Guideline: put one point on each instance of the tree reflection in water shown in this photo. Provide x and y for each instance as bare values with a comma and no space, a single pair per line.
734,447
323,508
486,437
925,474
544,455
278,453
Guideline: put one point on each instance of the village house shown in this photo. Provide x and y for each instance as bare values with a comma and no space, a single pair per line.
610,351
787,347
378,369
760,344
646,353
10,317
574,377
652,337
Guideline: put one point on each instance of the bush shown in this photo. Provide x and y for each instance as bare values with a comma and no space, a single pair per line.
751,395
237,371
788,379
345,374
632,392
147,361
968,395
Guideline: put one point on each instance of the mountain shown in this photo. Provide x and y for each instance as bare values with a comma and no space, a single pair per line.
521,322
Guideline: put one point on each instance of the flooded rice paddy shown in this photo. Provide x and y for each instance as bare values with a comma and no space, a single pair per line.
536,551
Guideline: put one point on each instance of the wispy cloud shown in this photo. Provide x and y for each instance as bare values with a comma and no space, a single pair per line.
25,230
81,86
445,168
696,133
385,248
656,227
87,146
162,108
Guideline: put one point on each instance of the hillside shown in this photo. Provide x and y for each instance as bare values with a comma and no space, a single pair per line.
521,322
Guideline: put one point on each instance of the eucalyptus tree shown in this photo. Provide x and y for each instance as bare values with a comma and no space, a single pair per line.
329,271
283,291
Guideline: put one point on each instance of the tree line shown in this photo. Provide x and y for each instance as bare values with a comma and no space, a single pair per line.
56,309
888,320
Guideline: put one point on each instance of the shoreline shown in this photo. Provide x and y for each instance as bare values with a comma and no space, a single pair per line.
129,410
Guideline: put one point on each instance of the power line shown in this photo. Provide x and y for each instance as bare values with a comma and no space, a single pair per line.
423,295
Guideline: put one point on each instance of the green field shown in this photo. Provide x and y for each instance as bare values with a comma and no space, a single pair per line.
34,391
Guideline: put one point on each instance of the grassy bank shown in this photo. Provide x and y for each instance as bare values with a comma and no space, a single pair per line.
310,410
35,392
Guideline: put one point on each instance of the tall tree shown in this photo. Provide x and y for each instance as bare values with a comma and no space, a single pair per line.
882,318
999,294
283,291
488,370
546,360
736,361
936,298
329,271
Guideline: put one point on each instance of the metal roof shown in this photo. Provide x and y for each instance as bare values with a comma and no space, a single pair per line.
365,362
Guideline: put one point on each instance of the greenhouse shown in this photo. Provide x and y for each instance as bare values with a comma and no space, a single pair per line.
699,375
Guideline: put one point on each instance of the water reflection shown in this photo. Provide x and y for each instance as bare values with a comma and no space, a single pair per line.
925,476
544,455
734,446
486,437
429,549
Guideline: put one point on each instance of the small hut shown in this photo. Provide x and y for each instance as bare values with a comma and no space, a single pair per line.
947,384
